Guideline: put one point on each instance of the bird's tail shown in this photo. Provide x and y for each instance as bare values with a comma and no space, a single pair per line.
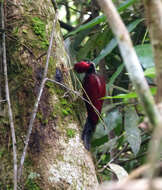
88,130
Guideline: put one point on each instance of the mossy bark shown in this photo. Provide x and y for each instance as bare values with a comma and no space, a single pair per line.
56,158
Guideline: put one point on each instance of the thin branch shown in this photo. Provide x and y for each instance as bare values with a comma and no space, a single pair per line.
8,100
114,158
66,26
136,173
75,10
69,89
34,112
119,153
120,88
2,101
54,4
42,55
131,159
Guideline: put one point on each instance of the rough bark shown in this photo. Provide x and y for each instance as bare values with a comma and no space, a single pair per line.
153,10
56,157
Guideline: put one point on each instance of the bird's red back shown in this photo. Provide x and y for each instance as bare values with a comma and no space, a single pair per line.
95,87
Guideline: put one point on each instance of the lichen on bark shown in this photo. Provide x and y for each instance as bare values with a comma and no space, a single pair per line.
56,156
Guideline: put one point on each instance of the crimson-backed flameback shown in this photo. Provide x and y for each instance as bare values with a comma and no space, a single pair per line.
94,89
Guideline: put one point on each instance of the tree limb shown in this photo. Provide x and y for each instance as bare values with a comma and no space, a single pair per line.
153,11
8,100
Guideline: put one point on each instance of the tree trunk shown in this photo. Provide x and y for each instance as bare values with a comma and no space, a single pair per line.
153,11
56,158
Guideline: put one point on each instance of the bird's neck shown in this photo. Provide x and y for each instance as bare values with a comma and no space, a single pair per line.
91,69
89,73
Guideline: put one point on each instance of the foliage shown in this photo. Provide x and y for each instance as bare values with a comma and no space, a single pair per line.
122,112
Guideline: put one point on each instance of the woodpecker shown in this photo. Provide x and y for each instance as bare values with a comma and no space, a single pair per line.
94,89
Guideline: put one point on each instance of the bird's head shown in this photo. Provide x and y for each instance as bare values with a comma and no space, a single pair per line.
84,67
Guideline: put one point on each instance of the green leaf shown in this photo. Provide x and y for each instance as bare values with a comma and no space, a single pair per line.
126,96
99,141
101,18
108,146
24,31
120,172
144,53
150,72
112,120
88,25
103,157
65,112
133,135
113,43
126,4
129,95
115,75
